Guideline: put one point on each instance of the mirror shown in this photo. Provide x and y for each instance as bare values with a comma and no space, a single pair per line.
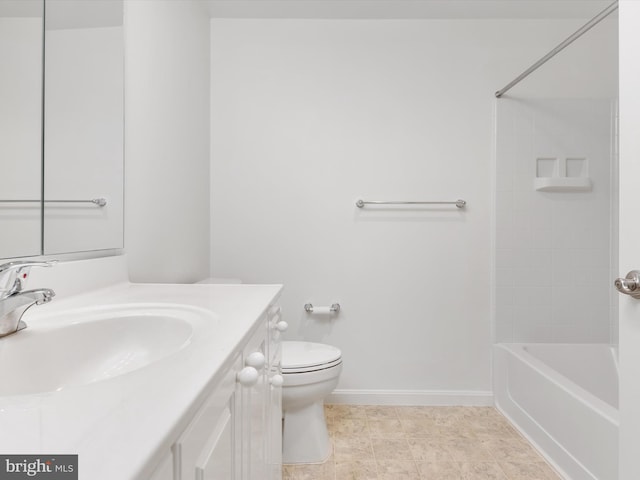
20,127
83,126
74,153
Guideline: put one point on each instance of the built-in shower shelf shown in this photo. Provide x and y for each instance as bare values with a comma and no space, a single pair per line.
562,184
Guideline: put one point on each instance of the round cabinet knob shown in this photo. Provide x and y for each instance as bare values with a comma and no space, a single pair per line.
247,377
282,326
255,360
277,380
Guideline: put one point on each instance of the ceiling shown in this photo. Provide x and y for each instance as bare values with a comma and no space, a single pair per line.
406,9
365,9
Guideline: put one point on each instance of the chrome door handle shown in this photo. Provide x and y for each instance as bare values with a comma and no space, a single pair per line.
630,285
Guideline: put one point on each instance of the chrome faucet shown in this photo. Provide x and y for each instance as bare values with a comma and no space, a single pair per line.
14,301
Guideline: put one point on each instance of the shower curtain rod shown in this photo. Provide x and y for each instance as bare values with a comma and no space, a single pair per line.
578,33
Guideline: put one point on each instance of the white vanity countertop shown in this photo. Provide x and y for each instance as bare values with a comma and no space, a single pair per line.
120,426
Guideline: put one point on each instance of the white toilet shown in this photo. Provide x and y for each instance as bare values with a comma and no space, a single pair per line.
311,372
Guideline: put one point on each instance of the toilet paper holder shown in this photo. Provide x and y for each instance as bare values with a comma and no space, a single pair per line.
334,308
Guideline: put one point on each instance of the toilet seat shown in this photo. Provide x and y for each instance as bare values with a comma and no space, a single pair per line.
303,357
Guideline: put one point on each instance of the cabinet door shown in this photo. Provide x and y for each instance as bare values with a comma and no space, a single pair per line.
254,412
216,459
209,447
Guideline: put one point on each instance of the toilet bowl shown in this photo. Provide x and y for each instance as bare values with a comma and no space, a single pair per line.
310,372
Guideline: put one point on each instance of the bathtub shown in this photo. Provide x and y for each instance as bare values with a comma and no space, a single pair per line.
564,399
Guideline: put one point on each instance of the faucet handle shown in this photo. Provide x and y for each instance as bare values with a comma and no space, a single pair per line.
12,274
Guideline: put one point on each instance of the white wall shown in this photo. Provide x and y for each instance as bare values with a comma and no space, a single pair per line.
308,116
20,134
167,140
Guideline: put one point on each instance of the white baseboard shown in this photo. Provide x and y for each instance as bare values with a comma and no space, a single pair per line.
411,397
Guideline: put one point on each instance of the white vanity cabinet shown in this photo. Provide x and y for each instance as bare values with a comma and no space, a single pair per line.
207,449
237,432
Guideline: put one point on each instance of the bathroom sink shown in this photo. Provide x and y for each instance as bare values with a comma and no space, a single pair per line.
80,347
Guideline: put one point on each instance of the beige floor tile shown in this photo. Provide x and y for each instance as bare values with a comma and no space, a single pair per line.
344,411
529,471
287,472
479,412
492,430
449,419
441,418
467,450
430,443
358,470
429,450
324,471
397,470
439,470
514,449
415,412
386,427
461,428
352,449
348,427
421,427
380,412
491,426
391,449
482,471
447,412
492,415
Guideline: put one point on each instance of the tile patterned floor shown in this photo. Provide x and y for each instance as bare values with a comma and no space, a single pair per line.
423,443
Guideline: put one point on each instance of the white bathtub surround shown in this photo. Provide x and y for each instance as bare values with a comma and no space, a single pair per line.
554,259
135,416
563,398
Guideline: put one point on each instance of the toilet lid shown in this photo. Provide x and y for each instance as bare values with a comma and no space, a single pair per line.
305,356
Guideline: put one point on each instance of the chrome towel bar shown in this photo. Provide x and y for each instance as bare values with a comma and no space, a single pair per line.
362,203
101,202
